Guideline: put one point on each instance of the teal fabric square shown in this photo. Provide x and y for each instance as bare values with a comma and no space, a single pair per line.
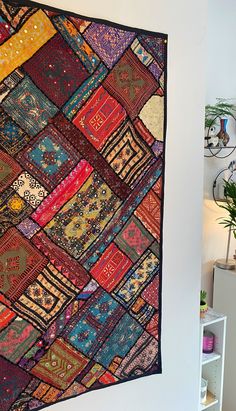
49,155
120,341
97,318
29,107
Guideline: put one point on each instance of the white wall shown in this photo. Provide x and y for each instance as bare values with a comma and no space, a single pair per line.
176,388
220,82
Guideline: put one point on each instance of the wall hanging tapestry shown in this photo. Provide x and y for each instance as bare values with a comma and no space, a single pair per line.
82,132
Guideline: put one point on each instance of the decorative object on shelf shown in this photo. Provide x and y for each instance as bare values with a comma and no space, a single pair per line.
204,384
203,303
229,222
212,139
208,342
226,174
217,115
223,135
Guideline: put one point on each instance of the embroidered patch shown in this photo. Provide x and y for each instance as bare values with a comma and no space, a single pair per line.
111,267
133,239
127,154
149,213
12,137
28,227
22,335
131,83
49,157
20,263
29,189
6,315
100,116
13,382
9,169
13,209
119,341
60,365
28,107
56,70
94,321
108,42
45,298
83,217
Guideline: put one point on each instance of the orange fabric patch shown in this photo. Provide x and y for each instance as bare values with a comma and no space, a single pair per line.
21,46
149,213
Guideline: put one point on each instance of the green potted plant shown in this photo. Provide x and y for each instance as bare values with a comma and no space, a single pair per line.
219,110
203,303
230,206
229,221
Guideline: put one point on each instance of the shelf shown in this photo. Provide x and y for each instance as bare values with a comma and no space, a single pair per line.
218,148
207,358
211,317
212,365
211,400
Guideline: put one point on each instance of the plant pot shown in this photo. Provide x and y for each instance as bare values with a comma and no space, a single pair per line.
203,309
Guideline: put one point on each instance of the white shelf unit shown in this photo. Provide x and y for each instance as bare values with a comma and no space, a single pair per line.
212,365
224,300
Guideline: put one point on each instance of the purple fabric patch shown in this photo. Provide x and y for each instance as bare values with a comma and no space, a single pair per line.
108,42
155,70
28,227
157,148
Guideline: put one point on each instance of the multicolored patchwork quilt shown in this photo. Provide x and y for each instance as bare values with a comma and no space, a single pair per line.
82,133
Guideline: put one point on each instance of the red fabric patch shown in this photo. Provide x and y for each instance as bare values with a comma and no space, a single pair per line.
150,294
9,170
99,117
152,326
107,378
56,70
5,31
111,267
86,149
62,193
143,131
20,263
158,187
149,213
6,315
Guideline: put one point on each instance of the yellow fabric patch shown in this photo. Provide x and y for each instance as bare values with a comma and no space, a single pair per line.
22,45
152,116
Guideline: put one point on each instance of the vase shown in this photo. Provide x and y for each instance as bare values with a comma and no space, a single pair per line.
223,135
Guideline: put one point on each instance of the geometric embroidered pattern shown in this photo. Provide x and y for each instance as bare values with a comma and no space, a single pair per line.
82,151
45,298
60,365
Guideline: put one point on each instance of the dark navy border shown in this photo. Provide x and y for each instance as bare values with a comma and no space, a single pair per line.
92,389
34,4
